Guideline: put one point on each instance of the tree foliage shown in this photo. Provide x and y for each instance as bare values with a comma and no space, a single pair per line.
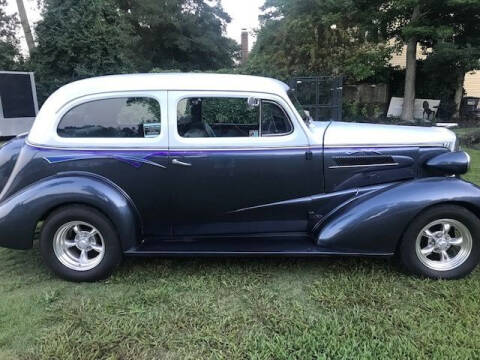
308,37
79,39
350,37
9,46
180,34
449,27
84,38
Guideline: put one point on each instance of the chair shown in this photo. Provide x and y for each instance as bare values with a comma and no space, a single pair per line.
427,111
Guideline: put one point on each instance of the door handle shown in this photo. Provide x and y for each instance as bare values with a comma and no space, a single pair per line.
181,163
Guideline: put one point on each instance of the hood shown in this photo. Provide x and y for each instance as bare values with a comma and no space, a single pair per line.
343,134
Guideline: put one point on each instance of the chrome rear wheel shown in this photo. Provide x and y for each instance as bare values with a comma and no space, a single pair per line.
79,245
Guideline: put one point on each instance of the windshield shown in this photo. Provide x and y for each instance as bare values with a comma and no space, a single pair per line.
298,106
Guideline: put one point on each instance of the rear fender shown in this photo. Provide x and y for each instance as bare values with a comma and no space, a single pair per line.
9,153
20,212
376,221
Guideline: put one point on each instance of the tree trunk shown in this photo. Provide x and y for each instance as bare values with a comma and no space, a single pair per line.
459,95
26,26
410,74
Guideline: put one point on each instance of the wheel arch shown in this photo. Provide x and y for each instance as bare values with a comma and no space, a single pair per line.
473,208
21,213
53,209
376,222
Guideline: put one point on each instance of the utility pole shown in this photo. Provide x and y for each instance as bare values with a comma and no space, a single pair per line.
26,26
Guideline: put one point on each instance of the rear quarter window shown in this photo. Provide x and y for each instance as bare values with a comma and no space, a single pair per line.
126,117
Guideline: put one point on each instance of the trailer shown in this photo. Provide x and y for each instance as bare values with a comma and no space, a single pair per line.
18,102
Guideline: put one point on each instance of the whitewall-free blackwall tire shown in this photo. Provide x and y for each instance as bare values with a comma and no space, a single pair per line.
442,243
79,243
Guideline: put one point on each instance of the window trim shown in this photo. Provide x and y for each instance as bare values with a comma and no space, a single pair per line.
298,138
284,113
159,142
109,137
236,96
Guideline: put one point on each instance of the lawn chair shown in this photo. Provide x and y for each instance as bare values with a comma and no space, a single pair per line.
427,111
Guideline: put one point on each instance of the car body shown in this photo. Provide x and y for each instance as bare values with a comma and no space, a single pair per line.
209,164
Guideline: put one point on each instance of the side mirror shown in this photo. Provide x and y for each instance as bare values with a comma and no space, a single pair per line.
253,102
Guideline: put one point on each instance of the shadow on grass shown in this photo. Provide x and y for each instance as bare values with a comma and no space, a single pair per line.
28,265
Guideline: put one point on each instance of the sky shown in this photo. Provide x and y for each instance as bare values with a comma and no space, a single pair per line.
244,14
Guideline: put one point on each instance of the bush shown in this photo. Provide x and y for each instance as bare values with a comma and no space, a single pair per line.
360,112
468,137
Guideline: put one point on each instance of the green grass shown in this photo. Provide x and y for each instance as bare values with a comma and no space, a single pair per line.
323,308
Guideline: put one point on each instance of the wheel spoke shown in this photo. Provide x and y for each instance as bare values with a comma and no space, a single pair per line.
69,243
76,229
97,248
444,256
446,228
93,232
427,250
456,241
83,257
428,233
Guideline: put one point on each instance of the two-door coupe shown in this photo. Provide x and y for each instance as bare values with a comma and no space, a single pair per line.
208,164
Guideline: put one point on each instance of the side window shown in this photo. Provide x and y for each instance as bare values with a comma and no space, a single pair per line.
230,117
217,117
274,120
128,117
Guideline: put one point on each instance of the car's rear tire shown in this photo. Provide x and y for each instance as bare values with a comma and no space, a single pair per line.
79,244
443,242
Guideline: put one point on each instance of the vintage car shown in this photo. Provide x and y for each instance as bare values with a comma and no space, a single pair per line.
209,164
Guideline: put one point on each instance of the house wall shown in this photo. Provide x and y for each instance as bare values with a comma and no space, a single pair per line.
472,84
472,80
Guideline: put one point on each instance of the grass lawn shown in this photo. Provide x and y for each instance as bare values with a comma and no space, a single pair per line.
238,309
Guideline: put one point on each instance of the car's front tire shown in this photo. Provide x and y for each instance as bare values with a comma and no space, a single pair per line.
79,243
443,242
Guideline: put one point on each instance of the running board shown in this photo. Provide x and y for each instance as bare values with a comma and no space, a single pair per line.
273,245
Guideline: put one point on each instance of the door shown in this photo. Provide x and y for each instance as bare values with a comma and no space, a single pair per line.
123,137
238,164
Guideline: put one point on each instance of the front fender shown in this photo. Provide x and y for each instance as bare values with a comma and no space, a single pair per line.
20,212
376,221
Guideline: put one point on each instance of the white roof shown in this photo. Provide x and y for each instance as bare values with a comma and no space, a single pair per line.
170,81
43,131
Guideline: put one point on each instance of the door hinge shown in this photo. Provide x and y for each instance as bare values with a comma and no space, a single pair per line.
309,155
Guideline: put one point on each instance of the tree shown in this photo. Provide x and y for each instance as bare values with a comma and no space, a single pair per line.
298,38
79,39
306,37
9,47
180,34
456,51
449,27
25,25
411,40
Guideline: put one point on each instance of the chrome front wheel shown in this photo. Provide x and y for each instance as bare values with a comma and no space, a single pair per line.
442,242
79,245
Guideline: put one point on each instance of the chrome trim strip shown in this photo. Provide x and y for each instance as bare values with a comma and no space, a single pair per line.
147,148
385,145
88,148
361,166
